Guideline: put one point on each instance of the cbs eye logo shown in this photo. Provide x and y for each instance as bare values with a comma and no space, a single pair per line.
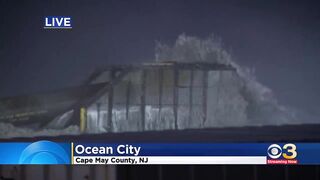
288,151
44,152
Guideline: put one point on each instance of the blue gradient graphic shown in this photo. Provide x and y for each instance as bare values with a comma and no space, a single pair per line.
41,152
44,152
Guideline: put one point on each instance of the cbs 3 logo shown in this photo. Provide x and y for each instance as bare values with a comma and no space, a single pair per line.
288,151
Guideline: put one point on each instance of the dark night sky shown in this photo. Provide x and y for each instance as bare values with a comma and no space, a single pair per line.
280,39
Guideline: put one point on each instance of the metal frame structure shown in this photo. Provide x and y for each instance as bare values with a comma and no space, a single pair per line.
118,72
80,98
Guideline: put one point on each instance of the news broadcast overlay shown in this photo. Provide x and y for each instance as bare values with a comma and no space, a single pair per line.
47,152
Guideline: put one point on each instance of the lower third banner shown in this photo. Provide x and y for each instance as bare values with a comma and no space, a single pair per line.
47,152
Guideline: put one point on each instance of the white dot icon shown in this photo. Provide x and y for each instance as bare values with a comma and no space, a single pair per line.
274,151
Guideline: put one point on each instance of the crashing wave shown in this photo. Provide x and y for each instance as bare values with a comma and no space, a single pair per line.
261,107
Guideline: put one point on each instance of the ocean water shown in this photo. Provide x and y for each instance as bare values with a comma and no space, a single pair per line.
235,99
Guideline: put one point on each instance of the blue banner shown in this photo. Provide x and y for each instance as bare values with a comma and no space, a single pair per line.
172,149
47,152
